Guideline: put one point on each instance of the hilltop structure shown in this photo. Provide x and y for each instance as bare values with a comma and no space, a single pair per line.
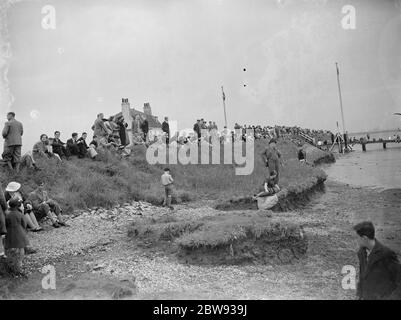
129,114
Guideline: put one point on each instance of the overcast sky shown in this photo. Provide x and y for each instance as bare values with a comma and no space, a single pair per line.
177,54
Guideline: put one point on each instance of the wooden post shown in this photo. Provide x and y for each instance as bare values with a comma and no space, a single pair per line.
363,147
384,145
224,106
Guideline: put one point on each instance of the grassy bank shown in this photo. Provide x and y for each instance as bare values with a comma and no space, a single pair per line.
83,183
229,238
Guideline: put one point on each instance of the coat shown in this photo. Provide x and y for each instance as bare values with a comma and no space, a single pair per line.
136,126
380,275
145,126
71,142
122,132
82,141
39,148
16,235
272,157
36,197
57,145
197,129
3,208
166,127
12,133
99,128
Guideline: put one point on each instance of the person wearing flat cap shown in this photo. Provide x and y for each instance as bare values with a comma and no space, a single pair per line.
16,237
272,158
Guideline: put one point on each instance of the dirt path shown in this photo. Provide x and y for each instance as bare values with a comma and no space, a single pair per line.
111,265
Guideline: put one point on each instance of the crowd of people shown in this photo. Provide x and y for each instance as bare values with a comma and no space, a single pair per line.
108,134
20,213
268,132
113,134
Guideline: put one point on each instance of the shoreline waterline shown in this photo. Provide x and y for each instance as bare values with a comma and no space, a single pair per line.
376,169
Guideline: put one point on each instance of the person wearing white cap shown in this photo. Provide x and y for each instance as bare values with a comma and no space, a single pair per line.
13,190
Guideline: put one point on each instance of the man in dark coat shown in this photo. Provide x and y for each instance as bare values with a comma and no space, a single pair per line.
197,129
145,127
379,268
72,145
12,134
122,131
82,145
166,129
59,147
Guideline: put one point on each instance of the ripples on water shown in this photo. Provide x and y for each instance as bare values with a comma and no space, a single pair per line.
375,168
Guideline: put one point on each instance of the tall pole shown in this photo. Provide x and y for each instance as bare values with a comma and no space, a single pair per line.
341,100
224,105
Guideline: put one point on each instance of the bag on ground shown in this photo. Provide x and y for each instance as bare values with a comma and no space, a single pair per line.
265,203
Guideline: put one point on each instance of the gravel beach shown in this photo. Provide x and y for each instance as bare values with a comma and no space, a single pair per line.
94,258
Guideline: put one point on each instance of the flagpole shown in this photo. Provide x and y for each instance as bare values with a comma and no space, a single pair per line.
224,105
341,100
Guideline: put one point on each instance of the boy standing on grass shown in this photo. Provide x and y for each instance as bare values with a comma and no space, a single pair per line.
167,182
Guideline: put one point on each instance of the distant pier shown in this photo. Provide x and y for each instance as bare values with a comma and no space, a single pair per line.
383,142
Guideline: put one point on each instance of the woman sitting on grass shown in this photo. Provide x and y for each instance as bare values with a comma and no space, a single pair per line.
14,191
269,187
43,149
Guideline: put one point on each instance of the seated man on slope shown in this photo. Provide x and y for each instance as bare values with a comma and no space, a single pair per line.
43,205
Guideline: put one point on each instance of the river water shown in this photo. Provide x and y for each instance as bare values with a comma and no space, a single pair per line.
376,168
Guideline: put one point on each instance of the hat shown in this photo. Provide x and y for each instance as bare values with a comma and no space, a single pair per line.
272,140
13,186
14,202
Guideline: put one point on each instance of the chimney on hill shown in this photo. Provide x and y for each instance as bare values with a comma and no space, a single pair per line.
147,109
124,102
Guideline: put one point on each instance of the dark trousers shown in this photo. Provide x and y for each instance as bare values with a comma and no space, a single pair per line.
167,138
76,150
73,149
82,150
3,229
61,151
12,154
